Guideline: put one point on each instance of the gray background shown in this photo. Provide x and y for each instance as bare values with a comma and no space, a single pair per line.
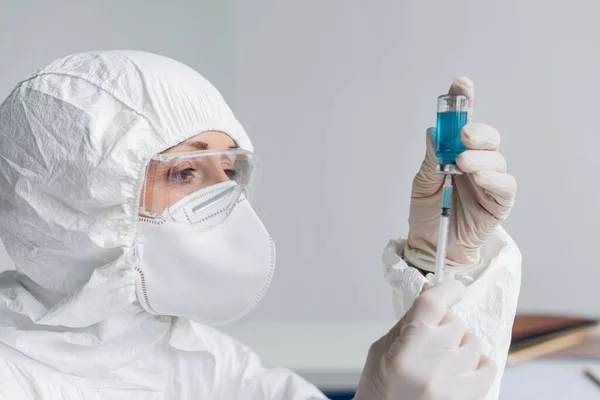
337,96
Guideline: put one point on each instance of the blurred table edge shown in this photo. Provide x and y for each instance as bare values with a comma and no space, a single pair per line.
332,355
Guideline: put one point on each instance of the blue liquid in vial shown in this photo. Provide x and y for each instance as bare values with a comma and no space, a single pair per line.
447,138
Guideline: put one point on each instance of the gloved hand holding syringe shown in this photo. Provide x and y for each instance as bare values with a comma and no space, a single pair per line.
452,115
483,190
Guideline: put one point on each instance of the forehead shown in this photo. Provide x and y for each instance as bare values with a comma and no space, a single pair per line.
203,141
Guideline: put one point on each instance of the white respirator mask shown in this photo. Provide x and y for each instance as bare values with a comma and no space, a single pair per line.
206,257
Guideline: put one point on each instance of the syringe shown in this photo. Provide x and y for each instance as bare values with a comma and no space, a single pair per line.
442,244
452,116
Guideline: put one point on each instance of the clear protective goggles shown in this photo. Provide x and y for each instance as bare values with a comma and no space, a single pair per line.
200,187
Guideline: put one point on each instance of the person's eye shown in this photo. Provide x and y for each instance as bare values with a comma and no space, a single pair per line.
185,175
231,173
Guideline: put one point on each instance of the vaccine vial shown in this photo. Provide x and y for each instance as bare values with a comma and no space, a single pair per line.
452,114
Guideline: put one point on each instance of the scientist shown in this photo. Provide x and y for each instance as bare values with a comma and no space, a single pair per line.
125,204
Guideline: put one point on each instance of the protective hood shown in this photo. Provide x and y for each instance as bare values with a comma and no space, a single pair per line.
75,139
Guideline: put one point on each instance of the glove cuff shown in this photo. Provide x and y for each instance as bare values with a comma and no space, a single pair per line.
425,260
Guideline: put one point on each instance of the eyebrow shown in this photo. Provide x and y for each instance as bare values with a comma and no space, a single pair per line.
200,145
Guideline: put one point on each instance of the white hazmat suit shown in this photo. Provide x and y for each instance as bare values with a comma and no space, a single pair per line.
75,138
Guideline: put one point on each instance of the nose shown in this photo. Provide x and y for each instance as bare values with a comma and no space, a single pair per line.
216,174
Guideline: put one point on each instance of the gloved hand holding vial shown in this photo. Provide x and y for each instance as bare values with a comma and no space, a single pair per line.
465,156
